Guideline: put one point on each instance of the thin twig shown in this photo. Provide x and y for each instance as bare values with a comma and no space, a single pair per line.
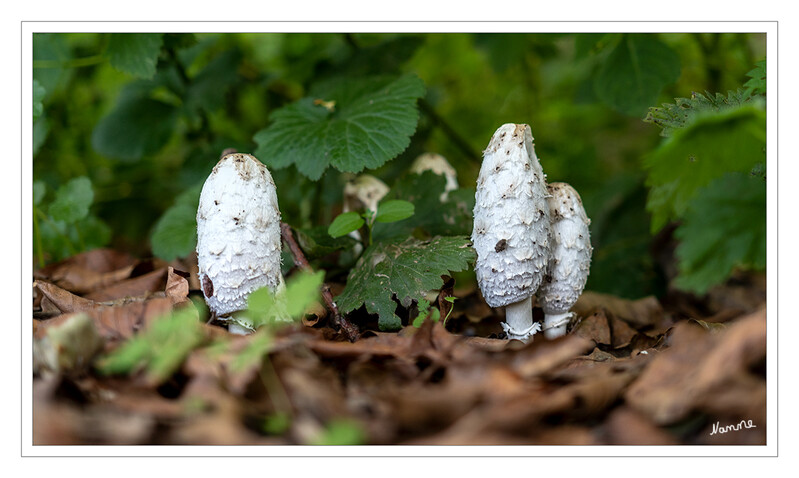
349,329
449,131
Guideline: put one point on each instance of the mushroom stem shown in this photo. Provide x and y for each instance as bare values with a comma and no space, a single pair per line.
555,324
519,320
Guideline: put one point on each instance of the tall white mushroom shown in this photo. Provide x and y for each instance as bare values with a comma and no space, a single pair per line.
569,260
511,222
238,236
440,166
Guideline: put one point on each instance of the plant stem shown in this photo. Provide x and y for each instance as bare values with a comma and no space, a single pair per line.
349,329
277,393
449,131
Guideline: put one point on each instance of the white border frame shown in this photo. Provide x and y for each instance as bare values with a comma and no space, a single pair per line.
771,30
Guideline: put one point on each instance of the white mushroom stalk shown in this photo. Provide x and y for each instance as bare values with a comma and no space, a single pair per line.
511,222
238,236
569,261
440,166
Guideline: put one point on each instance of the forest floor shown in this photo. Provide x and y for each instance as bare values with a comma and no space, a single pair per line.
680,370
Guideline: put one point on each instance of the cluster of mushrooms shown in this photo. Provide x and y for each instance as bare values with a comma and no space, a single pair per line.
531,238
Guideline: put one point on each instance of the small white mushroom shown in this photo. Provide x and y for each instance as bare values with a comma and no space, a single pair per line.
438,165
238,235
364,192
569,260
511,222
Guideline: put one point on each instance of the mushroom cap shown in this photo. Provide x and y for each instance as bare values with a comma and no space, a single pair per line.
438,165
365,191
511,218
238,233
570,258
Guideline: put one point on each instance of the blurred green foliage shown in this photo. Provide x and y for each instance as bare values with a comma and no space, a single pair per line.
145,117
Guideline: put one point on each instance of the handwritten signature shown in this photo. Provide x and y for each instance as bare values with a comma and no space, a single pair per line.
717,428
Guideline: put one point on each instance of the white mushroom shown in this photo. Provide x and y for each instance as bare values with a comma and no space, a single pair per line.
438,165
364,192
569,259
238,236
511,222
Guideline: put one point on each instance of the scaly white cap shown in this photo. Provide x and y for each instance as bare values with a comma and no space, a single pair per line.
569,261
440,166
511,220
238,233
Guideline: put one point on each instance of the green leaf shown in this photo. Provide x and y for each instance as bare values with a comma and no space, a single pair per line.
713,143
316,242
38,96
450,218
160,349
135,53
673,116
175,233
348,123
302,291
757,84
345,223
136,127
723,228
41,128
207,90
72,200
405,268
635,72
394,210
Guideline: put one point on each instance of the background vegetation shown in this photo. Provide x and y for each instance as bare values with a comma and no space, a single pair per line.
128,126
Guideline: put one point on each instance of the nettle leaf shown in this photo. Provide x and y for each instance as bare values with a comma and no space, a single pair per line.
757,84
175,233
723,228
350,124
394,210
449,218
135,53
136,127
72,200
38,96
710,145
405,268
635,72
345,223
673,116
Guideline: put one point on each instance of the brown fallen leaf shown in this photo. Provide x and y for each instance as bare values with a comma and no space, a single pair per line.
88,271
700,371
625,426
594,327
137,286
56,300
641,313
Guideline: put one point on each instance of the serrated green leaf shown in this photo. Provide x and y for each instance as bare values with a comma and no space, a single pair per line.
724,227
757,84
394,210
175,233
635,72
405,268
673,116
345,223
341,432
135,53
137,126
350,124
38,96
72,200
710,145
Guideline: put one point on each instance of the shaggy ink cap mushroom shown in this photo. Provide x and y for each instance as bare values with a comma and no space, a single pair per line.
569,260
238,236
511,222
439,166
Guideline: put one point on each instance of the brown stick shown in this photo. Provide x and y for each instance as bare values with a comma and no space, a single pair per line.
349,329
